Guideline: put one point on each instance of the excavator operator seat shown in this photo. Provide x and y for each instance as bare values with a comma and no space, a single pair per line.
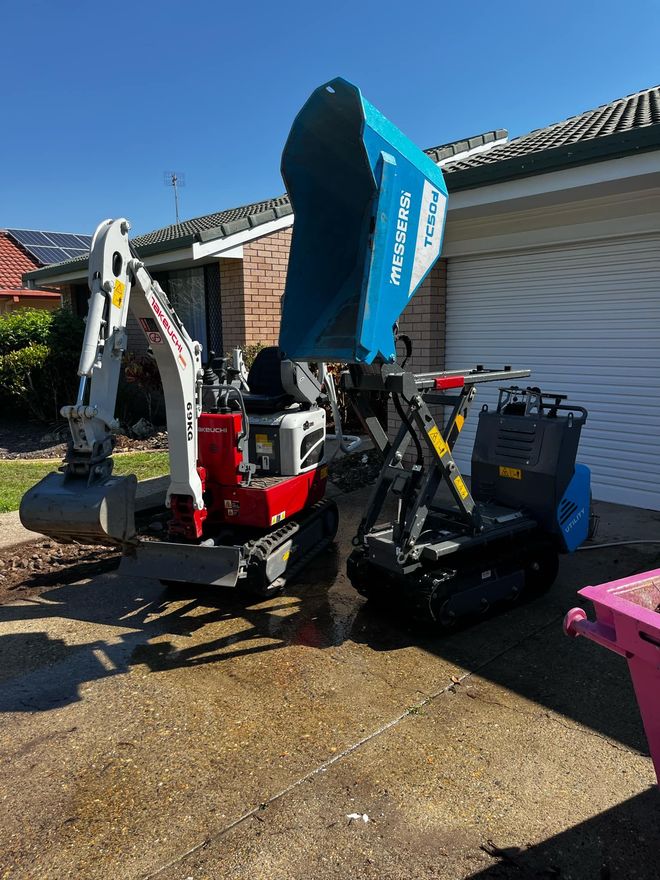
267,394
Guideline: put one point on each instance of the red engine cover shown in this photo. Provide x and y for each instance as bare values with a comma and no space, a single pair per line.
218,447
263,504
266,502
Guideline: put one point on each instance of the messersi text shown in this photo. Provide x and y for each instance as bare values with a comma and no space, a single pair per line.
400,238
430,231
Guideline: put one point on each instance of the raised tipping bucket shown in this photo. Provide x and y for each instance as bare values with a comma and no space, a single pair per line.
628,623
369,211
68,510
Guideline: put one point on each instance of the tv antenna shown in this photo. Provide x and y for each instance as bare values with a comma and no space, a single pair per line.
175,179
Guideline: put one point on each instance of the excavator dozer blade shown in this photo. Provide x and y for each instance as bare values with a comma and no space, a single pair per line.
68,510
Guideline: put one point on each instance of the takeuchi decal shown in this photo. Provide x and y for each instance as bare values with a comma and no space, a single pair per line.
169,329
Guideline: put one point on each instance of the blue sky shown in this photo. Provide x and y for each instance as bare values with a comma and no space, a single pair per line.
101,98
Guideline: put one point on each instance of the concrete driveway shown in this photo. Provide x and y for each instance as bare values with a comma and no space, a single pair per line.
149,733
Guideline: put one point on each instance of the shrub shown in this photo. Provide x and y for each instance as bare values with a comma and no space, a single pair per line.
24,327
250,352
39,353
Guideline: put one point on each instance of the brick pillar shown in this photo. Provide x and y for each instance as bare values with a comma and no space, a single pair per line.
264,268
232,303
424,321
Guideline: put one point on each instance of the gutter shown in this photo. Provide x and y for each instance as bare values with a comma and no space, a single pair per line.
599,149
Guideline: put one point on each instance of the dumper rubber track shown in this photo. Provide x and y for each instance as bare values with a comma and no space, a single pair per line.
309,532
465,587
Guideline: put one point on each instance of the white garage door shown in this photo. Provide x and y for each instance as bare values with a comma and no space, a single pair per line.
586,320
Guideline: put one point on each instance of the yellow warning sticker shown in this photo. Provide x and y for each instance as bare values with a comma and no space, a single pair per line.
511,473
324,472
460,421
278,517
263,444
438,441
118,293
461,488
286,555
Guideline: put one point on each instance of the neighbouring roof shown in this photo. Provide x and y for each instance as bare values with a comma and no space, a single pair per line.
624,126
14,262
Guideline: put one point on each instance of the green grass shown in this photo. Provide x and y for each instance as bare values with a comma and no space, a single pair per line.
17,476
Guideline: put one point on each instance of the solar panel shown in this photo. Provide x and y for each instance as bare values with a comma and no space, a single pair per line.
52,247
29,237
63,239
49,254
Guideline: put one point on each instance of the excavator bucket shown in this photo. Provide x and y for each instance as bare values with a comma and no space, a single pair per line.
369,211
68,510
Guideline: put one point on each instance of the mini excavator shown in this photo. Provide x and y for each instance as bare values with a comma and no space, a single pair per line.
247,450
248,464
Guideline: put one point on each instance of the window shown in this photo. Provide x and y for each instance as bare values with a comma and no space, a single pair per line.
195,295
185,288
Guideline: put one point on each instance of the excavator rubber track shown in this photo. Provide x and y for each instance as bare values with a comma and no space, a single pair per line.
261,566
302,538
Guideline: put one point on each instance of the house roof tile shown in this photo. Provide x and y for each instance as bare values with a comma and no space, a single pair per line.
623,125
14,262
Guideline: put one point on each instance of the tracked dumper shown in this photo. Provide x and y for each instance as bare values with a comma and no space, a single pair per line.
448,552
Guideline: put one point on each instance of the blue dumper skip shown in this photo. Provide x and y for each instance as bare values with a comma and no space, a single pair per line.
352,270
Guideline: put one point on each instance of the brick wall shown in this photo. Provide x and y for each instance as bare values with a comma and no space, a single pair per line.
233,303
251,290
424,321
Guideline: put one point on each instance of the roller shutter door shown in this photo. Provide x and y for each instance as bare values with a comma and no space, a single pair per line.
586,319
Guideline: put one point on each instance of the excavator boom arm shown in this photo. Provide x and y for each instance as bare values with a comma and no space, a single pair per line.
119,281
84,501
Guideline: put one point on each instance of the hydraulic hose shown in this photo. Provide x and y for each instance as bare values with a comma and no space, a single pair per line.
618,544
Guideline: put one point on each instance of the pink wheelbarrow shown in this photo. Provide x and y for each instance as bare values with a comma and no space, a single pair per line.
628,623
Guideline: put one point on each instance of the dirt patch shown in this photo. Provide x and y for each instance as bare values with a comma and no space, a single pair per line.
356,470
29,569
31,440
21,439
130,444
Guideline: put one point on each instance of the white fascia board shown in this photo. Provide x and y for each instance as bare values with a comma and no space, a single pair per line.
56,280
582,215
224,247
473,201
180,255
